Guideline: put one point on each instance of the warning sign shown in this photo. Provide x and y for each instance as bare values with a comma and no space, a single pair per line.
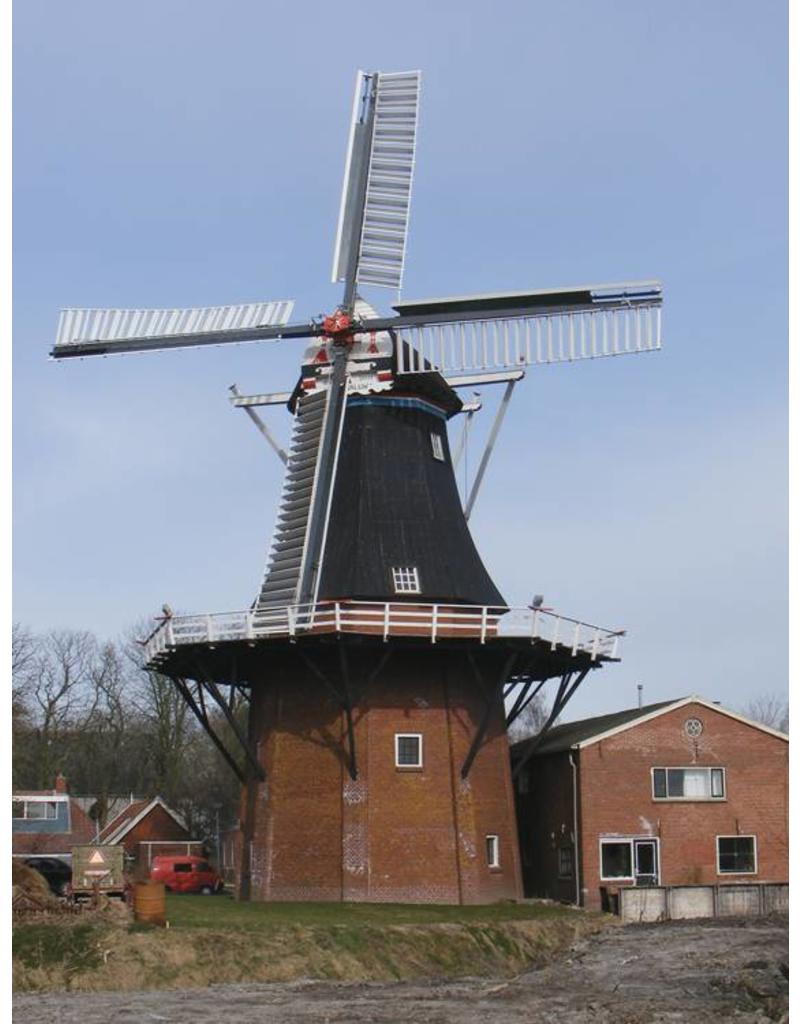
97,858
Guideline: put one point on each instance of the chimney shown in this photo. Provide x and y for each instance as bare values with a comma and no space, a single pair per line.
61,784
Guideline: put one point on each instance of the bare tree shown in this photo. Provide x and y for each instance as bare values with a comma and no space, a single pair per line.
769,709
59,687
530,722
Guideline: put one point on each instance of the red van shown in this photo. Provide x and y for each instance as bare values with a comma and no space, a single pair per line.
185,874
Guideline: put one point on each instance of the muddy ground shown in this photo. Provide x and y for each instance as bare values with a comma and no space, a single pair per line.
699,972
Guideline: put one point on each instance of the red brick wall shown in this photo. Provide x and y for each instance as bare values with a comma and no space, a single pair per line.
616,797
392,834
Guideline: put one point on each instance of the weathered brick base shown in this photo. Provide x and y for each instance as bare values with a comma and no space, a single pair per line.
392,834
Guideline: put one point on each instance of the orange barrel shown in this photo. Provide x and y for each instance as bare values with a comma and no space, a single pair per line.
149,902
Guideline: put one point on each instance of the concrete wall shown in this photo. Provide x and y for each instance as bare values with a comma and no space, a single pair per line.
662,903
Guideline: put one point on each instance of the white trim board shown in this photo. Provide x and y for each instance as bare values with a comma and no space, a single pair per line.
125,827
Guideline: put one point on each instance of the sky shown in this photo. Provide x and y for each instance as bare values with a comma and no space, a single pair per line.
191,153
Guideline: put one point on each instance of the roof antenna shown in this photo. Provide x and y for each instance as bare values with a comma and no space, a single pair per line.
640,688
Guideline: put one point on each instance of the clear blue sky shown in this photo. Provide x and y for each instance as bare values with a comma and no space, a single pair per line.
190,153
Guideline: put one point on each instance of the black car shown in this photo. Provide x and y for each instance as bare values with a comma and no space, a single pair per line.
57,873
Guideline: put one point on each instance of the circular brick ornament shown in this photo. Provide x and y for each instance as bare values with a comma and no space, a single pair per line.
693,727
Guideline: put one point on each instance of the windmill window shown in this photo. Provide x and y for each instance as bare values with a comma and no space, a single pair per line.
437,446
493,851
406,580
408,750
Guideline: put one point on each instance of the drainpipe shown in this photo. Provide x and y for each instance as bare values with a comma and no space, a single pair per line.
575,841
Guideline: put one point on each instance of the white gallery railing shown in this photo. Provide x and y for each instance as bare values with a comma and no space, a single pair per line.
386,619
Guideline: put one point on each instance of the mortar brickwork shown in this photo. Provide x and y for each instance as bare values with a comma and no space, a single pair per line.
615,798
393,834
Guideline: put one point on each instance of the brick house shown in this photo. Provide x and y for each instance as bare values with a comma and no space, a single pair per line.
147,828
48,823
681,792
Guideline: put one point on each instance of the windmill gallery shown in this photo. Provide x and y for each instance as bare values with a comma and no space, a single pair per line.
380,664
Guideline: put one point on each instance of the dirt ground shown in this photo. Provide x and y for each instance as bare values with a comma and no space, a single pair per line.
699,972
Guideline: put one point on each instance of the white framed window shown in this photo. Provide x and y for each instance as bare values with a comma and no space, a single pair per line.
437,446
630,858
406,580
34,810
737,855
692,783
408,750
493,851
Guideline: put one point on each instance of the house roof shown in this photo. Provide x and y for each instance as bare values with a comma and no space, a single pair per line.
575,735
118,828
82,832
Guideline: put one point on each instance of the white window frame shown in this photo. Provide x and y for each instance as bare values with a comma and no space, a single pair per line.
685,768
745,835
493,845
405,736
437,445
406,579
630,840
27,801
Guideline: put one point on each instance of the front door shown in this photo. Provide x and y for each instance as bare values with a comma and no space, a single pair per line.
645,861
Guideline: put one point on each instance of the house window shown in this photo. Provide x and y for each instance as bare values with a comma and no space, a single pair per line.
34,810
408,750
437,446
615,860
566,862
736,855
406,580
688,783
493,851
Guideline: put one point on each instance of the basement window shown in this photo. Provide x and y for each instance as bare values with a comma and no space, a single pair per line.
736,855
408,750
437,446
688,783
406,580
493,851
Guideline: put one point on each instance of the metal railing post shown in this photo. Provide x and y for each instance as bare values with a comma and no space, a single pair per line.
386,621
484,611
434,622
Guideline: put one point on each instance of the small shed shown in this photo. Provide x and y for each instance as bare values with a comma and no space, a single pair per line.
147,828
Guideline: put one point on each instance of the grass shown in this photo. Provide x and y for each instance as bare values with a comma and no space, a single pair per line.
190,911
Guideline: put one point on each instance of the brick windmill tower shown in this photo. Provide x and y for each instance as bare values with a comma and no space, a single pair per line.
380,664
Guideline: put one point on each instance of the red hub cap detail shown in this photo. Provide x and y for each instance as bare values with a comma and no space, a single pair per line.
339,327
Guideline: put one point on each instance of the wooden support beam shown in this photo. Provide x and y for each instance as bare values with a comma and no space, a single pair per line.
198,709
494,697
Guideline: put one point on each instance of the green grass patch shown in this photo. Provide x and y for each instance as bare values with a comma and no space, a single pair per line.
194,911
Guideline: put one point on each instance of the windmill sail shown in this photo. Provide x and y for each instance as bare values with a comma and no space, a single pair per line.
106,331
510,332
293,563
376,194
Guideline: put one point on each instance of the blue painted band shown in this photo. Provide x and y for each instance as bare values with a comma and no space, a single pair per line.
399,403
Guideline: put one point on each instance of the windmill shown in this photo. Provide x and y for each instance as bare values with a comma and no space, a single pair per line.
379,661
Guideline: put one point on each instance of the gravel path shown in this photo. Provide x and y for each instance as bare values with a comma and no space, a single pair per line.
696,972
